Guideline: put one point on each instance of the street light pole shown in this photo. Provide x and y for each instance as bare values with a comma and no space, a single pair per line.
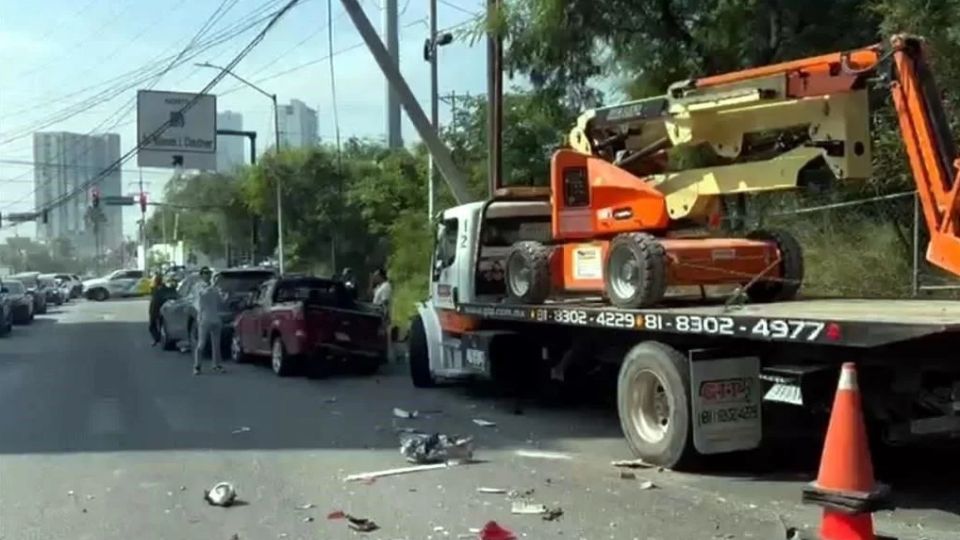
276,139
430,48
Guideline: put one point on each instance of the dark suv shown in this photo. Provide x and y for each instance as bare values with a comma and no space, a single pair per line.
6,311
35,288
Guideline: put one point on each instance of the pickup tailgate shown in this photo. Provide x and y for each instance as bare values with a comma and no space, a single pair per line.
353,331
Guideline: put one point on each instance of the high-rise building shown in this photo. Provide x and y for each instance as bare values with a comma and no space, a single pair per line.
229,147
64,164
298,125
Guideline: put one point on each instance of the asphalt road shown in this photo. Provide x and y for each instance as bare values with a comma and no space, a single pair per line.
102,437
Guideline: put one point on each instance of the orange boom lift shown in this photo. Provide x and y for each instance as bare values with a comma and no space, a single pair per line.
626,226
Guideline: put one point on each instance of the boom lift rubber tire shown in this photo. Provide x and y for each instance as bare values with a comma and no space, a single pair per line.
419,355
533,260
654,405
647,257
791,269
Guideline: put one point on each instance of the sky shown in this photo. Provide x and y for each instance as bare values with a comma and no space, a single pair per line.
60,58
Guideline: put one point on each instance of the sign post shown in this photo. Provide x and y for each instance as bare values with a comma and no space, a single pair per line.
176,130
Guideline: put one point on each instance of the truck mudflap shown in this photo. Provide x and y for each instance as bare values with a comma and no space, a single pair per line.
726,397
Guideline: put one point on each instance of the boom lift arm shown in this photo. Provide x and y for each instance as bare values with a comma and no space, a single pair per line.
930,149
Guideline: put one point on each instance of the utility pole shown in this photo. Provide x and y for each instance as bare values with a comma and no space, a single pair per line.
451,173
143,223
434,102
494,99
392,40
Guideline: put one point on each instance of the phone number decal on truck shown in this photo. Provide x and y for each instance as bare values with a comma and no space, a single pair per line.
710,325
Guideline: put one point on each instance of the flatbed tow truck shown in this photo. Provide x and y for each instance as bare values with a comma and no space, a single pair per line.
694,372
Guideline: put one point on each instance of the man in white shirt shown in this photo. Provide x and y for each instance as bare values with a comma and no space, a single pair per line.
382,295
209,304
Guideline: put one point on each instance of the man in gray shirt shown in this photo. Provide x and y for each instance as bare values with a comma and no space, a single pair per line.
209,304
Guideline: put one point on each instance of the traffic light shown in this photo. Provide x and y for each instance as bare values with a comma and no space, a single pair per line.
143,203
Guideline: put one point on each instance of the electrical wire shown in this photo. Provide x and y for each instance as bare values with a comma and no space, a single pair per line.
129,154
204,28
456,7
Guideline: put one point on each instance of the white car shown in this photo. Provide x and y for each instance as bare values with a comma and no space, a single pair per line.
119,283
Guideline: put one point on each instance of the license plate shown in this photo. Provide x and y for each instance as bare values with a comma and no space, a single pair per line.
341,336
476,358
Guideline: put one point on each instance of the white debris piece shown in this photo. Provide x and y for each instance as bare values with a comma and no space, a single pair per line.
402,413
538,454
484,423
393,472
495,491
522,507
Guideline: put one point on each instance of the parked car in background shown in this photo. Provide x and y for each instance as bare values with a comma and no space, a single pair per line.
178,317
117,284
310,322
21,302
6,311
71,283
51,289
31,281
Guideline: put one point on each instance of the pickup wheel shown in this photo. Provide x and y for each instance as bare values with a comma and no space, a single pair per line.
419,355
237,354
98,294
528,272
280,362
654,406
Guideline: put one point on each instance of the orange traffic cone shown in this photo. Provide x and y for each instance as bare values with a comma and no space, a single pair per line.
845,486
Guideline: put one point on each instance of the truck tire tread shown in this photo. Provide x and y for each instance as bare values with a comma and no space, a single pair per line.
536,257
791,269
652,257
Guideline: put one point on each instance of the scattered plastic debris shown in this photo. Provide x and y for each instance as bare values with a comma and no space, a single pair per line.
307,506
521,507
241,429
70,493
495,491
394,472
484,423
222,494
336,514
434,448
493,531
632,464
542,455
361,524
647,484
553,514
308,519
183,488
627,475
401,413
438,528
516,494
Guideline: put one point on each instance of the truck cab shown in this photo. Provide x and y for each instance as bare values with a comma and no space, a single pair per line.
468,265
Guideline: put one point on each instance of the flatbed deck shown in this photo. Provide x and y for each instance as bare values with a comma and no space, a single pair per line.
844,322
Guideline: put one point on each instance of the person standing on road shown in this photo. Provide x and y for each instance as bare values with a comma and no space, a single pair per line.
382,295
209,305
161,293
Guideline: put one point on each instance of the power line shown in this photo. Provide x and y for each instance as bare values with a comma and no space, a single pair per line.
458,8
129,154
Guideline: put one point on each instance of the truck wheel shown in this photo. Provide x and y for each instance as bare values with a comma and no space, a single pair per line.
98,295
280,361
791,269
653,404
636,271
419,355
528,272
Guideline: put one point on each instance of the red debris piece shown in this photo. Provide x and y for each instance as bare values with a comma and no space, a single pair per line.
336,514
493,531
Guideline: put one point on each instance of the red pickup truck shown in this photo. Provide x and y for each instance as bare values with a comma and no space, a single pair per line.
309,322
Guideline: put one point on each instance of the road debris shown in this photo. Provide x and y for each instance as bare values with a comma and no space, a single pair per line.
434,448
355,523
336,514
493,531
222,494
484,423
647,484
523,507
359,477
241,429
331,399
516,494
495,491
306,506
402,413
308,519
632,464
538,454
553,514
627,475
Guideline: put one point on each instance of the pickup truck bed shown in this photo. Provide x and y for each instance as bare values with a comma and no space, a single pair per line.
844,322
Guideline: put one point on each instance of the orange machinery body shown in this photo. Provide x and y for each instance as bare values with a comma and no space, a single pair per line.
594,200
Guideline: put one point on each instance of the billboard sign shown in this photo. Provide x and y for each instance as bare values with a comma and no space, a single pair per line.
176,129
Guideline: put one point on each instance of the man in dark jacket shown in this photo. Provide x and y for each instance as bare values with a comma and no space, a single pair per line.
160,294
